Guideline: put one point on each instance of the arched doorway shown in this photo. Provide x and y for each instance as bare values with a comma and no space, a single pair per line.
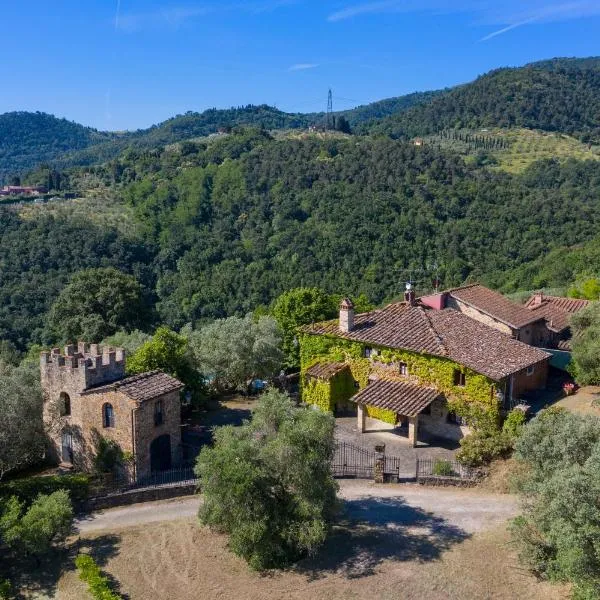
160,453
67,447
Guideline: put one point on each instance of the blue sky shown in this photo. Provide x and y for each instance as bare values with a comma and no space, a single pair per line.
124,64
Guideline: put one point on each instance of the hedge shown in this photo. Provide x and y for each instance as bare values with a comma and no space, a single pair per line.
29,488
98,584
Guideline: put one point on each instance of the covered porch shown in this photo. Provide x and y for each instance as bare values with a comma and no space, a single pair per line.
406,401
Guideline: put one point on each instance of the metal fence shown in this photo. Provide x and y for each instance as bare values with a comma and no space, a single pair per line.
125,483
439,467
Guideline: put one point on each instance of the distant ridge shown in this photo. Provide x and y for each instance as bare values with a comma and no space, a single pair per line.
561,94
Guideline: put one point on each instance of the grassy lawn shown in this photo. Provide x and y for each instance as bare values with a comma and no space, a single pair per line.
181,561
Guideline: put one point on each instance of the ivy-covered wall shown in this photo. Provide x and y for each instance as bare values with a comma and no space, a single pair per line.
476,401
328,394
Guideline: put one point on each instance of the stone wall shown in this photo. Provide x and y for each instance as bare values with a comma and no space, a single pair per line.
146,431
479,316
145,495
436,425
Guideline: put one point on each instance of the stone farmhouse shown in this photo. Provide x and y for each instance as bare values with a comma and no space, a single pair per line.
556,312
87,397
493,309
543,321
415,367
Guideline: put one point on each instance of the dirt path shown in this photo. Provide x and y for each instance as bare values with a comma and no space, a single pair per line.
469,510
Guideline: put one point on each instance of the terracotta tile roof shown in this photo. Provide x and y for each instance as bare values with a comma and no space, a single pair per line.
494,304
403,398
145,386
398,325
446,333
326,370
483,348
555,309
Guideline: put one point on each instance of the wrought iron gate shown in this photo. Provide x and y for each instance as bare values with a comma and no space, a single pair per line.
354,461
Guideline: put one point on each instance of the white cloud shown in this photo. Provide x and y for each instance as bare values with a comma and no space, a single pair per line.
303,66
508,15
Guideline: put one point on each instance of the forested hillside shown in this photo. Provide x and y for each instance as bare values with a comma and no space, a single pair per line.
557,95
27,139
225,227
220,225
30,139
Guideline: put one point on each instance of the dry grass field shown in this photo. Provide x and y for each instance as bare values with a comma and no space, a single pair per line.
178,560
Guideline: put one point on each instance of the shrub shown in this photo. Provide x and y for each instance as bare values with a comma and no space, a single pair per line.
29,488
5,589
108,456
443,468
480,448
514,422
98,584
34,531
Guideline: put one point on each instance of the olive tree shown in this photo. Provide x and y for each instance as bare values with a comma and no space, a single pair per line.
269,485
235,350
21,426
559,531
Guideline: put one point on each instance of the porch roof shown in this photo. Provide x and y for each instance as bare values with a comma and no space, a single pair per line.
401,397
326,370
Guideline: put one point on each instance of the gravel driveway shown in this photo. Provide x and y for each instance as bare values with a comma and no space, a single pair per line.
406,505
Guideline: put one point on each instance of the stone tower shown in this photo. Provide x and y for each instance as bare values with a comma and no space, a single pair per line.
64,377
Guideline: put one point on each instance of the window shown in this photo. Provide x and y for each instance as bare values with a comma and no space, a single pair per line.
158,413
403,368
459,378
368,352
530,370
64,404
108,415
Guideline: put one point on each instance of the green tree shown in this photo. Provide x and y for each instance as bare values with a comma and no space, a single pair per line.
588,289
36,530
559,531
236,350
585,358
97,303
268,484
297,307
169,352
21,427
343,125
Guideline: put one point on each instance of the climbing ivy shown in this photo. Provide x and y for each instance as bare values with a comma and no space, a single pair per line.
327,394
381,414
475,401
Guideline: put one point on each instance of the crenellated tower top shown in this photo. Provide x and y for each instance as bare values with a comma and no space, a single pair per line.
82,366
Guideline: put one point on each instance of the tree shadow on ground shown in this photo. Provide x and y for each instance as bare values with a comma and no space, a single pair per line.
372,530
32,580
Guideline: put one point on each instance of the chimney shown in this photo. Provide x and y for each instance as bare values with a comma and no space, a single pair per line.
538,299
409,295
346,315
